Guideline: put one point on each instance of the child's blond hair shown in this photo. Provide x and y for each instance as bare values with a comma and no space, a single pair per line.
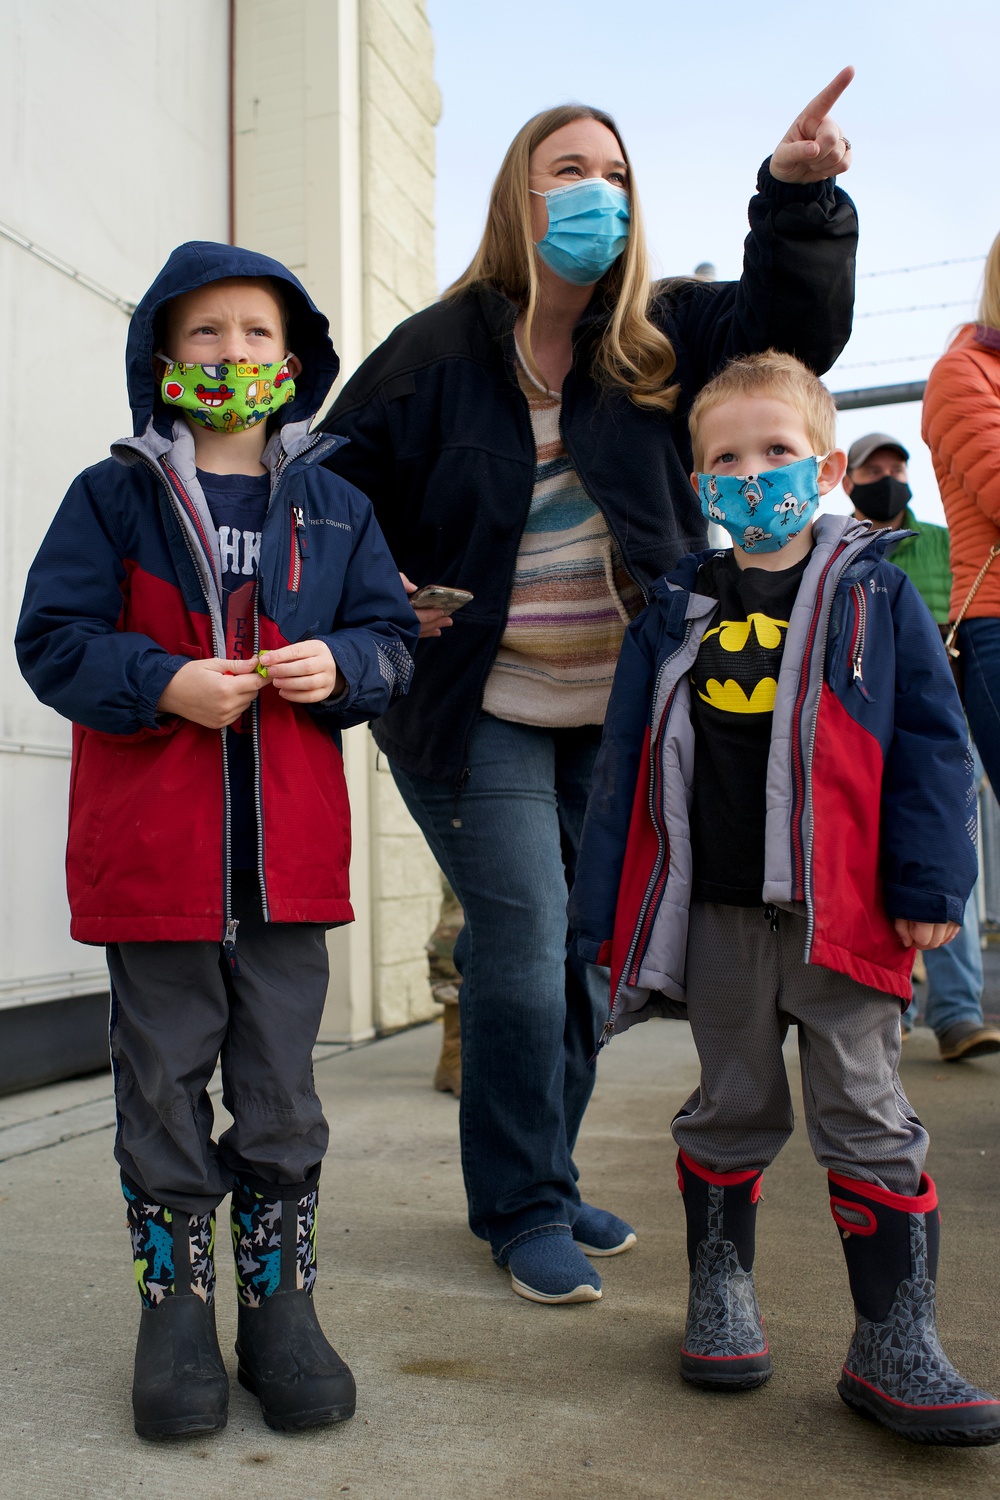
774,374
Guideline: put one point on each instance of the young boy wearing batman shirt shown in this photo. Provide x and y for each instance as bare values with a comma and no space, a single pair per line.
782,813
210,607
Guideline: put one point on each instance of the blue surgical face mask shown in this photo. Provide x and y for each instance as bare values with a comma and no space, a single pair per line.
762,512
588,229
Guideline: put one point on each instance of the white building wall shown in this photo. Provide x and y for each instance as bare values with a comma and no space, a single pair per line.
115,147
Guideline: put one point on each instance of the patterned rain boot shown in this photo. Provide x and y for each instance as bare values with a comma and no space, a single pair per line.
180,1385
284,1358
725,1346
896,1371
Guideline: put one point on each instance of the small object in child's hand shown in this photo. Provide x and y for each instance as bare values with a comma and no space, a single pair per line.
438,596
260,667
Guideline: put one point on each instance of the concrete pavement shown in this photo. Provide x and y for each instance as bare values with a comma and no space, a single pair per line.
466,1391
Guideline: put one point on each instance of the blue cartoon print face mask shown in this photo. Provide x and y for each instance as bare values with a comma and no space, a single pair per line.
762,512
588,229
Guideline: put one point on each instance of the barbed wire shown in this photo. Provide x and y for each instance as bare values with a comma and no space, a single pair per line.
928,265
885,312
899,359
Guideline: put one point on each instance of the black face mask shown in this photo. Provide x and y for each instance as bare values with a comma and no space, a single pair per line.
882,500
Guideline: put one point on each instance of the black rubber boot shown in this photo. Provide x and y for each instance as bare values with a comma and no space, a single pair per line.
180,1387
284,1357
896,1372
725,1346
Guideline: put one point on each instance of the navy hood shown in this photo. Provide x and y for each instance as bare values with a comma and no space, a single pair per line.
194,265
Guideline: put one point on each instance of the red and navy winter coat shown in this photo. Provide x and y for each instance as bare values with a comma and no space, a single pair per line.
871,807
126,589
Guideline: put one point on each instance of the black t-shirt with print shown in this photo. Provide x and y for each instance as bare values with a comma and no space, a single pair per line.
733,683
238,505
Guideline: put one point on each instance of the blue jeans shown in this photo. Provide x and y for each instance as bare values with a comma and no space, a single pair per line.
954,972
531,1015
954,978
979,643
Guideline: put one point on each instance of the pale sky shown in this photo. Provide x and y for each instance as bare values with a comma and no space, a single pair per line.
702,94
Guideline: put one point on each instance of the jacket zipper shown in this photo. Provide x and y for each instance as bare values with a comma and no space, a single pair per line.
295,565
258,799
175,488
804,877
661,867
798,768
858,644
298,550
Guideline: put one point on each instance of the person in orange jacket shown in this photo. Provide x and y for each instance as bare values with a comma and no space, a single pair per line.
961,426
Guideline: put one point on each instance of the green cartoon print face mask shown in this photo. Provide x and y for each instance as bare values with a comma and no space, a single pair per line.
227,398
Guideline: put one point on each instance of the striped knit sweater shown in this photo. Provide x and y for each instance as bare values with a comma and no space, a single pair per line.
571,598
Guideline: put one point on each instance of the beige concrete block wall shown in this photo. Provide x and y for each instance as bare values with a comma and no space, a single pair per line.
400,106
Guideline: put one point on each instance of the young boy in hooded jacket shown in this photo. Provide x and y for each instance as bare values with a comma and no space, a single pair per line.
211,607
782,813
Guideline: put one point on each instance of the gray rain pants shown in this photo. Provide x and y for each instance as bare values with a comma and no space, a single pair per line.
175,1009
746,984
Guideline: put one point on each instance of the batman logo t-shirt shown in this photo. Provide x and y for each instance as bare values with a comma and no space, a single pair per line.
733,685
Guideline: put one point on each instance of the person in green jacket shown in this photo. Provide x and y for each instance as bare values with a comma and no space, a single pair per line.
876,482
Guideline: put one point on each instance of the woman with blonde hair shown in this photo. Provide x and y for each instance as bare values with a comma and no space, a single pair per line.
961,426
525,439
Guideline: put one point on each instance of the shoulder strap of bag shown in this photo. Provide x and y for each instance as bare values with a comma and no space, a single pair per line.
949,644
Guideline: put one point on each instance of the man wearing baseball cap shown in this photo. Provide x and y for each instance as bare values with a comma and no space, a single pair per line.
876,481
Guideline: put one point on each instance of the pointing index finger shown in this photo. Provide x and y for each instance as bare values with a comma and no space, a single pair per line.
827,98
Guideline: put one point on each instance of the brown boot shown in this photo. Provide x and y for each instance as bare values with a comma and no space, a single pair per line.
448,1076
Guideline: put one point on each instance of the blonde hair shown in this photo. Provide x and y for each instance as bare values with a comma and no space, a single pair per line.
633,353
989,304
774,374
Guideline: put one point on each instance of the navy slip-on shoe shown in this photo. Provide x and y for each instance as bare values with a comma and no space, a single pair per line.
598,1232
551,1268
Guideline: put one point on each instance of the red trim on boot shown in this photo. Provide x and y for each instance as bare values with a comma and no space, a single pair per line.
720,1179
924,1204
915,1405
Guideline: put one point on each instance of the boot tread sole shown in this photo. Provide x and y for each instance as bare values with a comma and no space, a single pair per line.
179,1427
954,1430
320,1416
736,1372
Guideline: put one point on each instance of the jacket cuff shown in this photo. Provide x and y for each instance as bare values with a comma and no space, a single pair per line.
164,668
588,949
794,192
922,906
335,702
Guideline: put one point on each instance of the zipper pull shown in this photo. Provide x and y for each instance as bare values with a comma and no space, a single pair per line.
229,946
300,527
605,1038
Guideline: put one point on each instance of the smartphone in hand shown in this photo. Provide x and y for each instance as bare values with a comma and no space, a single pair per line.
438,596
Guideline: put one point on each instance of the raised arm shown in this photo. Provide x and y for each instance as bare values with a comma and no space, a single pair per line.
797,289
